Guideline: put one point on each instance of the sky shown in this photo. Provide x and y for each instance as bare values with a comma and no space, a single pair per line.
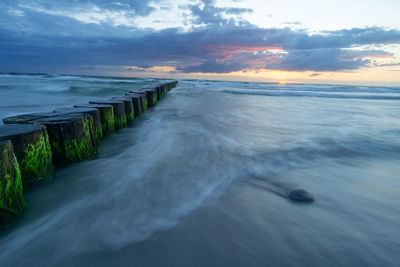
309,41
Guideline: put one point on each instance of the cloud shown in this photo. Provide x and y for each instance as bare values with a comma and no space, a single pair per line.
139,7
20,14
236,10
326,59
388,64
292,23
39,35
315,74
158,69
208,14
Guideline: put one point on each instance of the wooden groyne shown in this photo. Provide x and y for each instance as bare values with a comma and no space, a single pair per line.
33,146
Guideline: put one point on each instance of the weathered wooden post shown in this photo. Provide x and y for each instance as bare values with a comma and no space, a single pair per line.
11,189
94,112
71,136
143,99
151,96
158,90
106,116
129,111
32,149
163,89
136,103
119,111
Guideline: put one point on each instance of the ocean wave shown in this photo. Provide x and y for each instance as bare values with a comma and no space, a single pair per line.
348,95
84,78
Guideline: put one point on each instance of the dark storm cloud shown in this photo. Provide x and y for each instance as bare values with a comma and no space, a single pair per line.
33,39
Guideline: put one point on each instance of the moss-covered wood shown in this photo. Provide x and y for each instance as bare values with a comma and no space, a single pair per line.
106,116
136,103
129,110
171,85
71,136
163,89
145,103
11,197
151,97
119,111
32,149
143,99
168,86
158,90
94,112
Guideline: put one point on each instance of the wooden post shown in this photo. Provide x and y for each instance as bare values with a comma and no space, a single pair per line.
151,96
136,103
143,99
71,137
32,149
106,116
11,194
94,112
129,111
119,111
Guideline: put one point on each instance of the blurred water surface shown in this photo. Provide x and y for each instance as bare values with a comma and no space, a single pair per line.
202,179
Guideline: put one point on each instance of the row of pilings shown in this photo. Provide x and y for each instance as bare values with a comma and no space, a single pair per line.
33,146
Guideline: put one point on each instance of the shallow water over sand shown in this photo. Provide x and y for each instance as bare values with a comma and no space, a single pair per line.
202,179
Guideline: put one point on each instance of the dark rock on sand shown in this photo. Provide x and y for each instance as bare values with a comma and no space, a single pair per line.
300,195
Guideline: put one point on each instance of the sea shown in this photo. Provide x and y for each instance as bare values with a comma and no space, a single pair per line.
203,178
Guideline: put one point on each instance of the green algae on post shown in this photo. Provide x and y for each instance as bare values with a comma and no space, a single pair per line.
151,97
143,99
32,149
145,104
72,137
84,149
98,135
158,90
154,99
136,103
106,116
129,109
11,188
109,121
93,112
119,111
120,122
130,116
38,156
